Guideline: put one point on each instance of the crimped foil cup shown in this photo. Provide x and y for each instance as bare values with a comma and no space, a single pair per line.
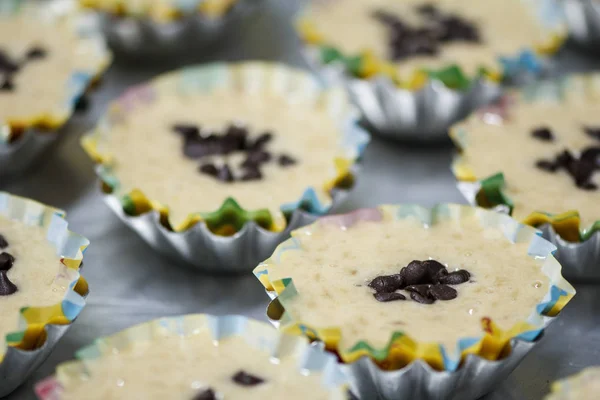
134,33
423,108
194,243
578,251
17,153
311,359
42,327
464,375
582,18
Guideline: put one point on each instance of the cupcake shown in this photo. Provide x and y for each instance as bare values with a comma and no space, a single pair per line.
443,302
41,291
163,27
583,386
43,74
214,165
414,67
534,153
582,18
198,357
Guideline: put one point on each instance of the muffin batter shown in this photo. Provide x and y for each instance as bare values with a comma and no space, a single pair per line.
190,365
511,148
148,154
35,273
332,271
583,386
350,26
43,60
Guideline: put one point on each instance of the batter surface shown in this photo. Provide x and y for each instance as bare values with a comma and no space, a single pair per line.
583,386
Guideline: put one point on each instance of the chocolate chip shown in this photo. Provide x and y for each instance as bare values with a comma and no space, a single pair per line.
252,174
420,298
414,273
387,283
7,85
187,131
543,134
455,278
207,394
209,169
261,141
6,261
235,139
442,292
434,270
592,131
6,286
198,148
6,64
427,9
546,165
36,53
258,157
3,242
588,186
245,379
385,297
284,160
225,174
423,290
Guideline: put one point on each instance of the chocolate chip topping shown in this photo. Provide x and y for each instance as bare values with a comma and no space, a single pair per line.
36,53
9,67
546,165
252,174
426,281
225,174
6,261
7,85
3,242
385,297
543,133
261,141
207,394
406,41
209,169
284,160
6,286
581,169
245,379
592,131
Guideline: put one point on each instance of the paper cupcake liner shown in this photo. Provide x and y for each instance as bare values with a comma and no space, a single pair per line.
578,248
229,239
568,388
311,359
18,152
582,18
443,374
425,105
42,327
135,33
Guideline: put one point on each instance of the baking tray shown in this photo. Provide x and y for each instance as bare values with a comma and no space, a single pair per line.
130,283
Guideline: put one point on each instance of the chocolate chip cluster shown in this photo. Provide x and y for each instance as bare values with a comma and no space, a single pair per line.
6,262
439,29
426,281
8,67
579,168
197,145
242,378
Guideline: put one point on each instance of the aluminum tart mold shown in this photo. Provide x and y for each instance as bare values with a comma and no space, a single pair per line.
40,328
229,239
582,18
578,247
134,30
311,359
474,369
21,143
424,105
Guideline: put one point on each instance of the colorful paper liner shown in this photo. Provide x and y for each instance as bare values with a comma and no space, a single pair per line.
78,82
311,359
246,77
490,193
368,66
71,246
163,11
563,389
401,349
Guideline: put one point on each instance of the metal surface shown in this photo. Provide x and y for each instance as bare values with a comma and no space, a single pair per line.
17,157
130,283
583,22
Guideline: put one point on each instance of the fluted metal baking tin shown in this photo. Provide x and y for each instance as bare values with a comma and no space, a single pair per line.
582,18
137,36
580,261
199,248
396,113
16,157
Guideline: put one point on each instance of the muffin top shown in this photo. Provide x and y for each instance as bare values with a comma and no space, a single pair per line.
263,142
196,365
583,386
380,274
546,150
419,35
47,60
